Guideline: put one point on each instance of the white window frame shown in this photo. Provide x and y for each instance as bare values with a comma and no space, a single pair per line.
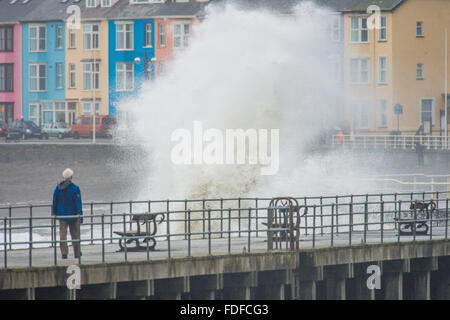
382,27
36,118
59,37
382,70
360,71
421,35
433,110
359,29
72,38
162,34
184,37
93,73
97,108
38,76
38,37
59,76
357,106
121,68
91,3
106,3
148,35
72,73
124,33
88,30
382,113
335,27
421,77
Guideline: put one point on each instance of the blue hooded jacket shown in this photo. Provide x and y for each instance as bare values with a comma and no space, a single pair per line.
67,201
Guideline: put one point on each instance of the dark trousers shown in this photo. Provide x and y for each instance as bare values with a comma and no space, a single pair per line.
74,227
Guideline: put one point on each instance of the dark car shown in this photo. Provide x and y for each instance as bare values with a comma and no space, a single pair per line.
3,128
24,130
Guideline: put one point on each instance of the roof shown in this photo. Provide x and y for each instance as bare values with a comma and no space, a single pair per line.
123,10
362,5
15,12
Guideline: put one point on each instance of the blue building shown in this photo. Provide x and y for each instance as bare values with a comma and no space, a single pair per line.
131,50
43,61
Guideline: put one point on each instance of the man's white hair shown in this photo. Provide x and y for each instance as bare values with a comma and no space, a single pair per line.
67,174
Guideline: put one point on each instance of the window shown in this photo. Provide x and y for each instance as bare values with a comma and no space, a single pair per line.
382,114
59,75
180,35
162,35
59,37
124,76
106,3
336,28
361,114
6,77
91,3
382,32
37,38
72,38
426,110
419,29
162,69
87,111
419,71
124,36
7,111
148,35
37,77
359,70
91,72
359,31
33,114
72,81
7,38
91,36
382,70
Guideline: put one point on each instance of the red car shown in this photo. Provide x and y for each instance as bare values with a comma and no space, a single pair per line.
3,128
104,126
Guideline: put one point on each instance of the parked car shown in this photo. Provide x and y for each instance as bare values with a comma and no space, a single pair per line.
104,126
3,128
24,130
59,129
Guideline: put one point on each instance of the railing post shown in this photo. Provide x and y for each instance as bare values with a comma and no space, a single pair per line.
351,213
54,240
125,236
131,212
366,219
382,220
92,222
30,245
189,233
5,246
209,231
306,218
446,219
103,238
221,218
203,219
332,224
314,227
321,215
337,214
229,230
399,217
111,218
257,213
185,219
249,227
168,227
10,227
239,217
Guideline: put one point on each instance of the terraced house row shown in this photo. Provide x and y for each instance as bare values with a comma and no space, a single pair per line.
51,71
54,67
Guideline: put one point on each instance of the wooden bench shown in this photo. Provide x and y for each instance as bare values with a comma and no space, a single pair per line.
141,238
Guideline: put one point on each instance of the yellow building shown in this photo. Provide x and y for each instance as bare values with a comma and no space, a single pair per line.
87,67
396,56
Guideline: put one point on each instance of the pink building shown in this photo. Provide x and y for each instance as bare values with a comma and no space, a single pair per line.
10,72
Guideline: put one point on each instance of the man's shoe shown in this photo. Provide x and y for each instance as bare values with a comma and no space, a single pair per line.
64,256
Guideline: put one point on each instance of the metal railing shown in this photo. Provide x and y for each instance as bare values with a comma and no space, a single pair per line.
390,141
28,234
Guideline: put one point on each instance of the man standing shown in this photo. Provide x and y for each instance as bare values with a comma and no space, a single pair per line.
67,202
